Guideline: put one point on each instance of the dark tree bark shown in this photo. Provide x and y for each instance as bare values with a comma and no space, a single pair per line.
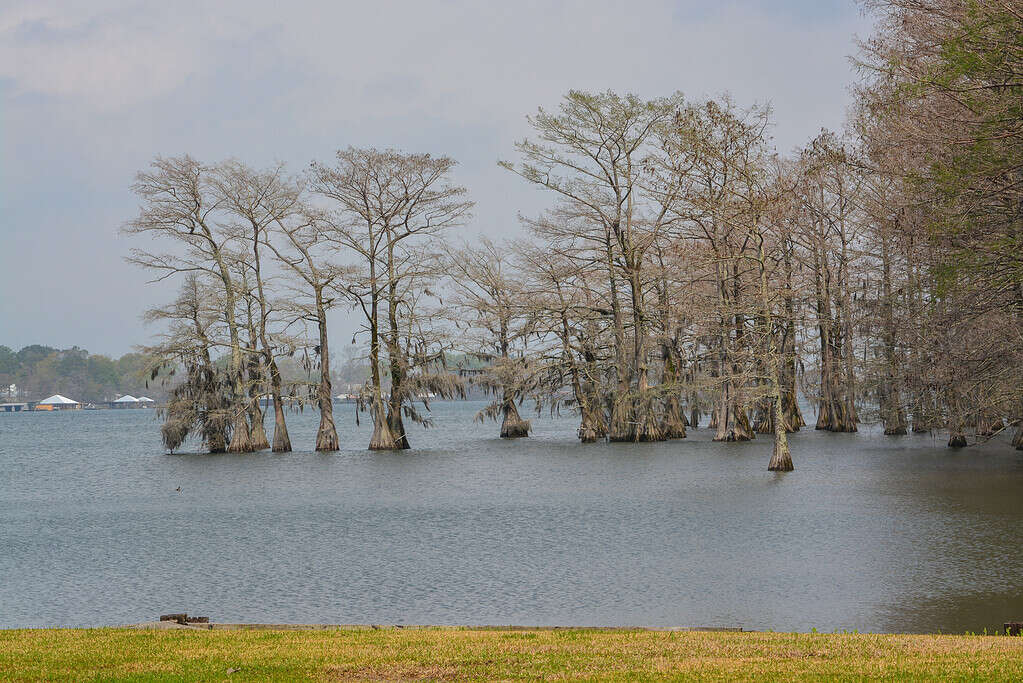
326,435
282,440
512,425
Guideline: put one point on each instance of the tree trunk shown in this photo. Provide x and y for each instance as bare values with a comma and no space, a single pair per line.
790,393
512,426
397,426
591,417
674,426
257,430
674,418
591,426
326,435
394,420
383,438
894,417
763,416
731,419
282,440
781,456
622,426
240,437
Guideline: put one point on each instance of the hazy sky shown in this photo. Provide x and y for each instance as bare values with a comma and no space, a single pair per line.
91,91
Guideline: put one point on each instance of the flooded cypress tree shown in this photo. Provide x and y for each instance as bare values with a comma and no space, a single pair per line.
638,296
254,376
326,434
389,211
261,201
592,154
200,403
180,203
302,243
488,296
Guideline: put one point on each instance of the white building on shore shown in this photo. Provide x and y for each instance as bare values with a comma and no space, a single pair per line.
58,402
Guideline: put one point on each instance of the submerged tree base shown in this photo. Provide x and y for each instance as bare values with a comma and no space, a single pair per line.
384,438
956,440
258,435
515,428
734,436
282,440
327,441
781,460
241,438
592,429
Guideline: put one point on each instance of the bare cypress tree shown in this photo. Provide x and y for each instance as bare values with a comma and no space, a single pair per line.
389,211
202,401
261,200
942,86
827,191
566,310
488,299
180,204
303,249
720,146
592,155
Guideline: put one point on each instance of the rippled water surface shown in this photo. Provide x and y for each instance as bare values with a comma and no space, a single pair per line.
869,533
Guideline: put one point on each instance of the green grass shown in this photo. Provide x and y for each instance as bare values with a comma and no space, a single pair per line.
462,654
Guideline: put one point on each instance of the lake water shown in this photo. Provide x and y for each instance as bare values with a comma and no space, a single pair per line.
869,533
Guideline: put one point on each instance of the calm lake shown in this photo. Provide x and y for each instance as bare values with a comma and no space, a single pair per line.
869,533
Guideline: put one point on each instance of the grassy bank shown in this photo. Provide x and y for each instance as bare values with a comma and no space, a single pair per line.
452,654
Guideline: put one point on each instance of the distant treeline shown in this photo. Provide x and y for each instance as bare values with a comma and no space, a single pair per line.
39,371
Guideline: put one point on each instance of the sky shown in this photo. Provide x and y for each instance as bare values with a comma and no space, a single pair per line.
91,92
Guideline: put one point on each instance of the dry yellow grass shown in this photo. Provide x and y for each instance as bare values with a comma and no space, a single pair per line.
489,655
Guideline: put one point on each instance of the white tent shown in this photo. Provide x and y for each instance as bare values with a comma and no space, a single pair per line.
146,399
127,398
58,400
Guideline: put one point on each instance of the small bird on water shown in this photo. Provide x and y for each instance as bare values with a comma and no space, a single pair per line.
178,489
